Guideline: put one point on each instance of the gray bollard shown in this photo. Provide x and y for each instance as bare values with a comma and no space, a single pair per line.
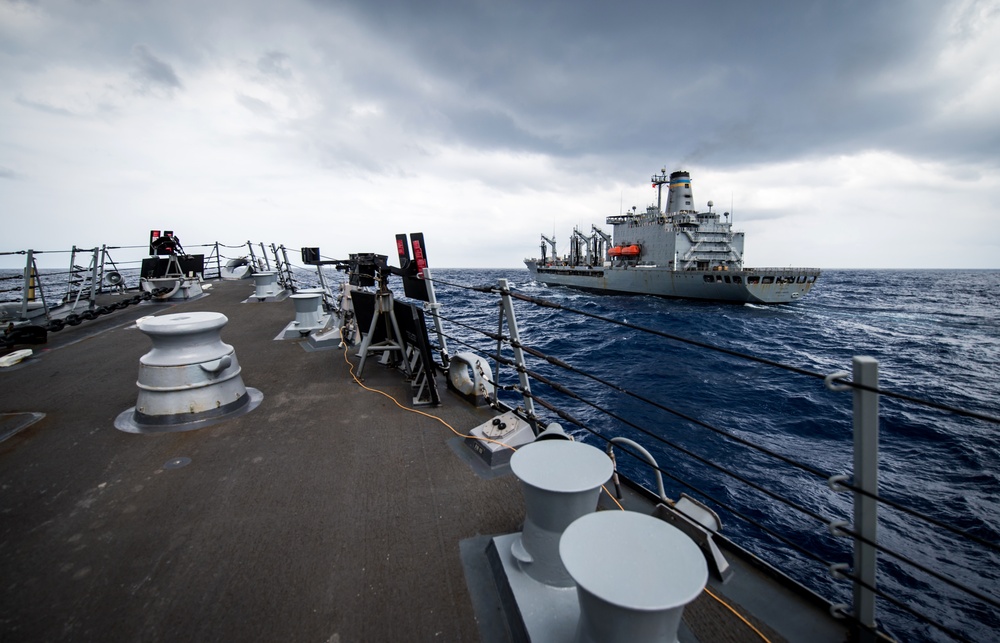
634,574
265,284
561,481
309,312
189,379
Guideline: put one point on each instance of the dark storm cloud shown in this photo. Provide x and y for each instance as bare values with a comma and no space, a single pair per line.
722,83
151,73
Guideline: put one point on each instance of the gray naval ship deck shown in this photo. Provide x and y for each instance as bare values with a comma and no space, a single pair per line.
329,513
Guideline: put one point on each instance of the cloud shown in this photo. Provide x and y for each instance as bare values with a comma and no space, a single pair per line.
481,120
42,107
152,74
274,63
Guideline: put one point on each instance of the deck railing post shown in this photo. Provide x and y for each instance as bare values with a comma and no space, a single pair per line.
865,478
434,307
28,285
70,285
508,309
288,268
100,280
253,257
263,252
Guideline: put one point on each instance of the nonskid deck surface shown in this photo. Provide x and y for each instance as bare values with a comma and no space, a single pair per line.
326,514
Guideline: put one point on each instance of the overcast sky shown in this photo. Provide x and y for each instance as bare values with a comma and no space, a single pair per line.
840,133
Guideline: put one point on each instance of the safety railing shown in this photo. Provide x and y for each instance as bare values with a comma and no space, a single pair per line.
820,510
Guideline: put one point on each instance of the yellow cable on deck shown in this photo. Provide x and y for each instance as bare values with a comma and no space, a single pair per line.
463,435
418,412
738,615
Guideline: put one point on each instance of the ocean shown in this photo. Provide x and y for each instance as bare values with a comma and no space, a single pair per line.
936,336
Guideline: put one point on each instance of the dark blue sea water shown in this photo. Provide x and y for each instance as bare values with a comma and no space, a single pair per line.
936,336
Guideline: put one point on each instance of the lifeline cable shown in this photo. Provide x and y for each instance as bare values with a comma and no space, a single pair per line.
724,505
805,467
771,363
775,496
761,360
417,411
568,392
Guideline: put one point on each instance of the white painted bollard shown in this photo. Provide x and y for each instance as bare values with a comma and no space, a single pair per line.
190,377
265,284
561,482
634,574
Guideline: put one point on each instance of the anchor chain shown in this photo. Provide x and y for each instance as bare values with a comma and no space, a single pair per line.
36,334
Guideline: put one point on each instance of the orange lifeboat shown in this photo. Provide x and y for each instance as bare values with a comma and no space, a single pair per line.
630,251
615,252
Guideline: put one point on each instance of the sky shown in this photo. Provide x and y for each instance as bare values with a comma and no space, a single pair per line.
841,134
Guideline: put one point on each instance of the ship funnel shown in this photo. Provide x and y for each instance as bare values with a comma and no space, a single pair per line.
679,197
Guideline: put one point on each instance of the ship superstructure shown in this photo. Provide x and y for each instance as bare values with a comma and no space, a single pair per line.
671,252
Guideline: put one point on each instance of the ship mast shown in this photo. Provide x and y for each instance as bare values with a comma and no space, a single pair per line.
658,181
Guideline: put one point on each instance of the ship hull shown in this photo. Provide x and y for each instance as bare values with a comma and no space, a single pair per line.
751,285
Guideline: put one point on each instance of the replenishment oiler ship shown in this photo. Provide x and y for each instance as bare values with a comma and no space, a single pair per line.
677,252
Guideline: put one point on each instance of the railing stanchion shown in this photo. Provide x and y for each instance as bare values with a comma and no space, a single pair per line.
435,307
263,252
865,478
288,269
27,290
508,309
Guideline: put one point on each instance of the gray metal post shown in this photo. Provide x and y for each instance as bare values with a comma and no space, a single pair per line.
253,257
434,306
70,287
865,478
26,291
288,269
104,255
508,309
93,279
327,306
263,252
